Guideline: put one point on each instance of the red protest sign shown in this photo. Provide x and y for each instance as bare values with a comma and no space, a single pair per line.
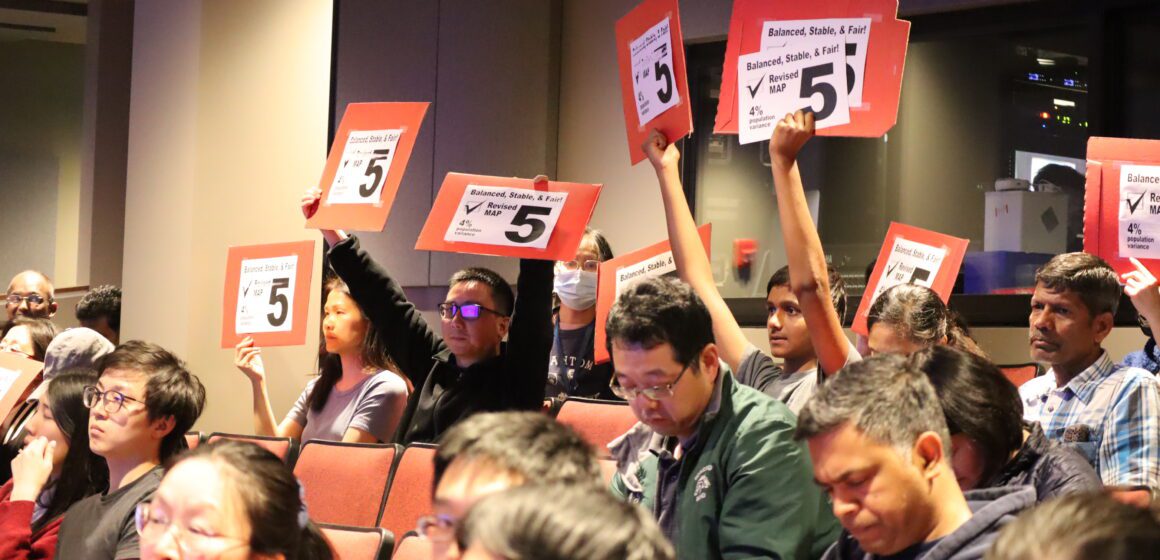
911,255
509,217
874,60
267,294
366,164
18,377
616,274
653,86
1121,217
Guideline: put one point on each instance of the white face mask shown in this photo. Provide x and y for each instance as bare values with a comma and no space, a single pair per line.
576,288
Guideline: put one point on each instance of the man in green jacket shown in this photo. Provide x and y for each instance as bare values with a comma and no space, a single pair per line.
715,461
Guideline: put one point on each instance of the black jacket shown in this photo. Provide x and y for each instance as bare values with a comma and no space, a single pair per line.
446,393
1053,469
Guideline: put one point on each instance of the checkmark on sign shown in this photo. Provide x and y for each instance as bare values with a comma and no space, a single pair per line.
890,270
1133,205
753,89
471,208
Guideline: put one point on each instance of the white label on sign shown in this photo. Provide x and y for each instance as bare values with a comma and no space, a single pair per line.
7,378
1140,211
855,32
910,263
660,265
653,83
506,216
775,82
363,169
266,295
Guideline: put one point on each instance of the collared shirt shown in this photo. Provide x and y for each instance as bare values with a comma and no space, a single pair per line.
1117,405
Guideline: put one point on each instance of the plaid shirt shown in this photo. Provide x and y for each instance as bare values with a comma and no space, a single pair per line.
1119,405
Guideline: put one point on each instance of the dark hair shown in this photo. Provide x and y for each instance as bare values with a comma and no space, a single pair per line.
1088,276
529,444
1079,526
40,331
170,389
271,498
918,313
837,287
884,397
655,311
102,301
603,249
82,473
375,354
1066,178
501,291
560,522
978,402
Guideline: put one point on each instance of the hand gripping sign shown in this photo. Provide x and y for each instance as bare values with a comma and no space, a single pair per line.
267,294
510,217
617,274
912,255
18,375
652,74
784,55
1122,202
366,164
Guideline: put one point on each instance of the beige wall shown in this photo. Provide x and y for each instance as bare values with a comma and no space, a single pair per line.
227,123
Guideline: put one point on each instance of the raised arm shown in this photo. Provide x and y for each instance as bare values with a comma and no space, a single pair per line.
530,337
688,252
808,275
248,359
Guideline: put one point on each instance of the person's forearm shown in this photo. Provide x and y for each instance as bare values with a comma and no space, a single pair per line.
804,252
263,415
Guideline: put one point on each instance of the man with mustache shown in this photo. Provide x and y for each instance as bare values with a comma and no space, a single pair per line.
1107,412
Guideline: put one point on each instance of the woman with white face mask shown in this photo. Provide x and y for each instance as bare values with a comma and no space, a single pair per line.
571,369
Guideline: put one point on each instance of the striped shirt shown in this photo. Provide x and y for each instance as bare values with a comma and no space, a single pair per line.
1119,407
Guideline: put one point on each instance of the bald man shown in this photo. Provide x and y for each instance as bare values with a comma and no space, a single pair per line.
30,294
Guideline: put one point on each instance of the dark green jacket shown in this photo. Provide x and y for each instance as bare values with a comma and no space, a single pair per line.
745,489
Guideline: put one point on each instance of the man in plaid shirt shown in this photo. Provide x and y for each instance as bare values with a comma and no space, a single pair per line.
1108,413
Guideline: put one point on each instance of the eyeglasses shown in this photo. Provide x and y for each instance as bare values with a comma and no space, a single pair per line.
655,393
152,525
32,299
113,401
469,311
436,528
587,265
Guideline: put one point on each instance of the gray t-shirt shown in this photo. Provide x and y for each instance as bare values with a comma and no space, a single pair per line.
101,527
375,406
757,370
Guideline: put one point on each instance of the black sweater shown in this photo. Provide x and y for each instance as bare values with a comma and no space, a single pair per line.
446,393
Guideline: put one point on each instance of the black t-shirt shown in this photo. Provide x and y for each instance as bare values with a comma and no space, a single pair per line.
101,527
572,369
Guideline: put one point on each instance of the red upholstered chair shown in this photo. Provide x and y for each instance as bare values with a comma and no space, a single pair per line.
1020,373
411,489
598,422
359,543
192,439
285,448
413,548
345,482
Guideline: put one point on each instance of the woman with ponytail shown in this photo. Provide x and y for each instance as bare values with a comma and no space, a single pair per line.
229,500
908,318
357,396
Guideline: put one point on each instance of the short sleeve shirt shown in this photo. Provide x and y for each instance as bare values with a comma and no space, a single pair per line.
101,527
374,405
757,370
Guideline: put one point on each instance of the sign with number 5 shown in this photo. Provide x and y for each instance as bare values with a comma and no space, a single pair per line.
267,293
508,217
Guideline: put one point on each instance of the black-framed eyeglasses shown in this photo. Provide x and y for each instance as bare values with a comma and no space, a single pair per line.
113,401
436,528
654,393
469,311
587,265
32,299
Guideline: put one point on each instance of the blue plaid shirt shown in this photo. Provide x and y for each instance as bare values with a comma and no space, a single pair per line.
1119,405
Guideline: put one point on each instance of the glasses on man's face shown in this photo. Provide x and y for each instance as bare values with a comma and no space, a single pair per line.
33,300
469,311
587,265
436,528
655,393
113,401
152,525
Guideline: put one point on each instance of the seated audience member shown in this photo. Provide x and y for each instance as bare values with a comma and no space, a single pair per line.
879,445
28,336
1106,412
139,410
55,470
356,396
990,444
468,368
572,369
1141,286
804,331
714,461
575,524
30,294
100,309
908,317
1080,527
490,452
229,499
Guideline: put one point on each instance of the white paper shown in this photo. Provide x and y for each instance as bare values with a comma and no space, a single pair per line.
363,169
654,84
506,216
660,265
7,378
1140,211
854,31
776,82
910,262
266,295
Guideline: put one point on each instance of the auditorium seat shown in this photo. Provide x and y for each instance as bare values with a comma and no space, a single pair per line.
599,422
345,482
193,439
1019,374
409,497
358,543
285,448
413,548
